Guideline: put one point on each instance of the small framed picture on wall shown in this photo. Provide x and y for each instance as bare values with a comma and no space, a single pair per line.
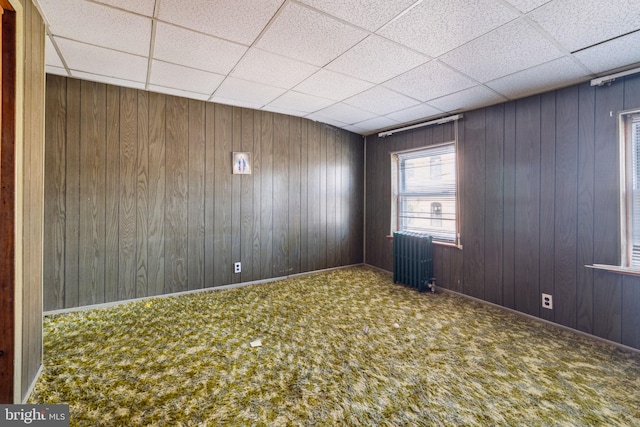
241,163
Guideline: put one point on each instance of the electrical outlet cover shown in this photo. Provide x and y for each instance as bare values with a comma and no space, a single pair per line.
547,301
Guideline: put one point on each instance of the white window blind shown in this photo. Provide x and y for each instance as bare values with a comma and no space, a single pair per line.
424,196
633,190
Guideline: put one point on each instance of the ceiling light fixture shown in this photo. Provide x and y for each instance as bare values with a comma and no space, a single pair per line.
611,77
419,125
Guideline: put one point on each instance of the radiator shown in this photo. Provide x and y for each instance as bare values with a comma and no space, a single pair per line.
413,260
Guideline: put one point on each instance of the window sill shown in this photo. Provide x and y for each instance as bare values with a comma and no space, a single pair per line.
629,271
439,243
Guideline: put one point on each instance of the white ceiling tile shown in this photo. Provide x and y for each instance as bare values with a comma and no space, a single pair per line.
105,62
309,36
328,121
376,124
509,49
429,81
178,92
355,129
183,78
611,55
236,102
300,102
377,59
283,110
275,70
56,70
143,7
51,56
527,5
343,113
577,24
108,80
98,24
381,100
552,75
419,112
437,26
327,84
476,97
370,14
184,47
238,20
245,91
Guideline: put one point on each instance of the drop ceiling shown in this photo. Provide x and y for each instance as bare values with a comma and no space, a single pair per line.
361,65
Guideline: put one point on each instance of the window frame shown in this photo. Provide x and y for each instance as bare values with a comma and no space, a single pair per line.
627,172
396,178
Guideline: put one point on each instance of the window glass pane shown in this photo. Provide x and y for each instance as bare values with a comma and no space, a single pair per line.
426,192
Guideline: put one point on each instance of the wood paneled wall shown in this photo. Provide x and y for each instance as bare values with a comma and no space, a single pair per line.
30,185
539,201
141,201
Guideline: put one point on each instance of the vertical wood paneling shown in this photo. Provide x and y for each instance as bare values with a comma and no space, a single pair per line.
527,206
331,198
609,100
630,317
607,287
585,196
54,227
142,196
313,196
31,182
493,226
257,194
155,244
509,197
246,200
473,200
72,196
547,198
174,216
235,199
222,216
322,246
280,189
566,206
195,220
295,136
266,202
385,214
356,199
112,188
304,197
128,181
92,173
210,196
176,187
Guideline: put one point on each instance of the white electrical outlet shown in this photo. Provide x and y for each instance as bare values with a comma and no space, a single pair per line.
237,267
547,301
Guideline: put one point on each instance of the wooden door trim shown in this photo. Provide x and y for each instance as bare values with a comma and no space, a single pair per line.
7,206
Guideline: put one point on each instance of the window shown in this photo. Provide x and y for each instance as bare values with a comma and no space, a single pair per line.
424,192
630,144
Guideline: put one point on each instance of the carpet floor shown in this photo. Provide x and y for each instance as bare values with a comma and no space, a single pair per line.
345,347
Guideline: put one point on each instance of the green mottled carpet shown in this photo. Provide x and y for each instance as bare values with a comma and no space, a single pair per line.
346,347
